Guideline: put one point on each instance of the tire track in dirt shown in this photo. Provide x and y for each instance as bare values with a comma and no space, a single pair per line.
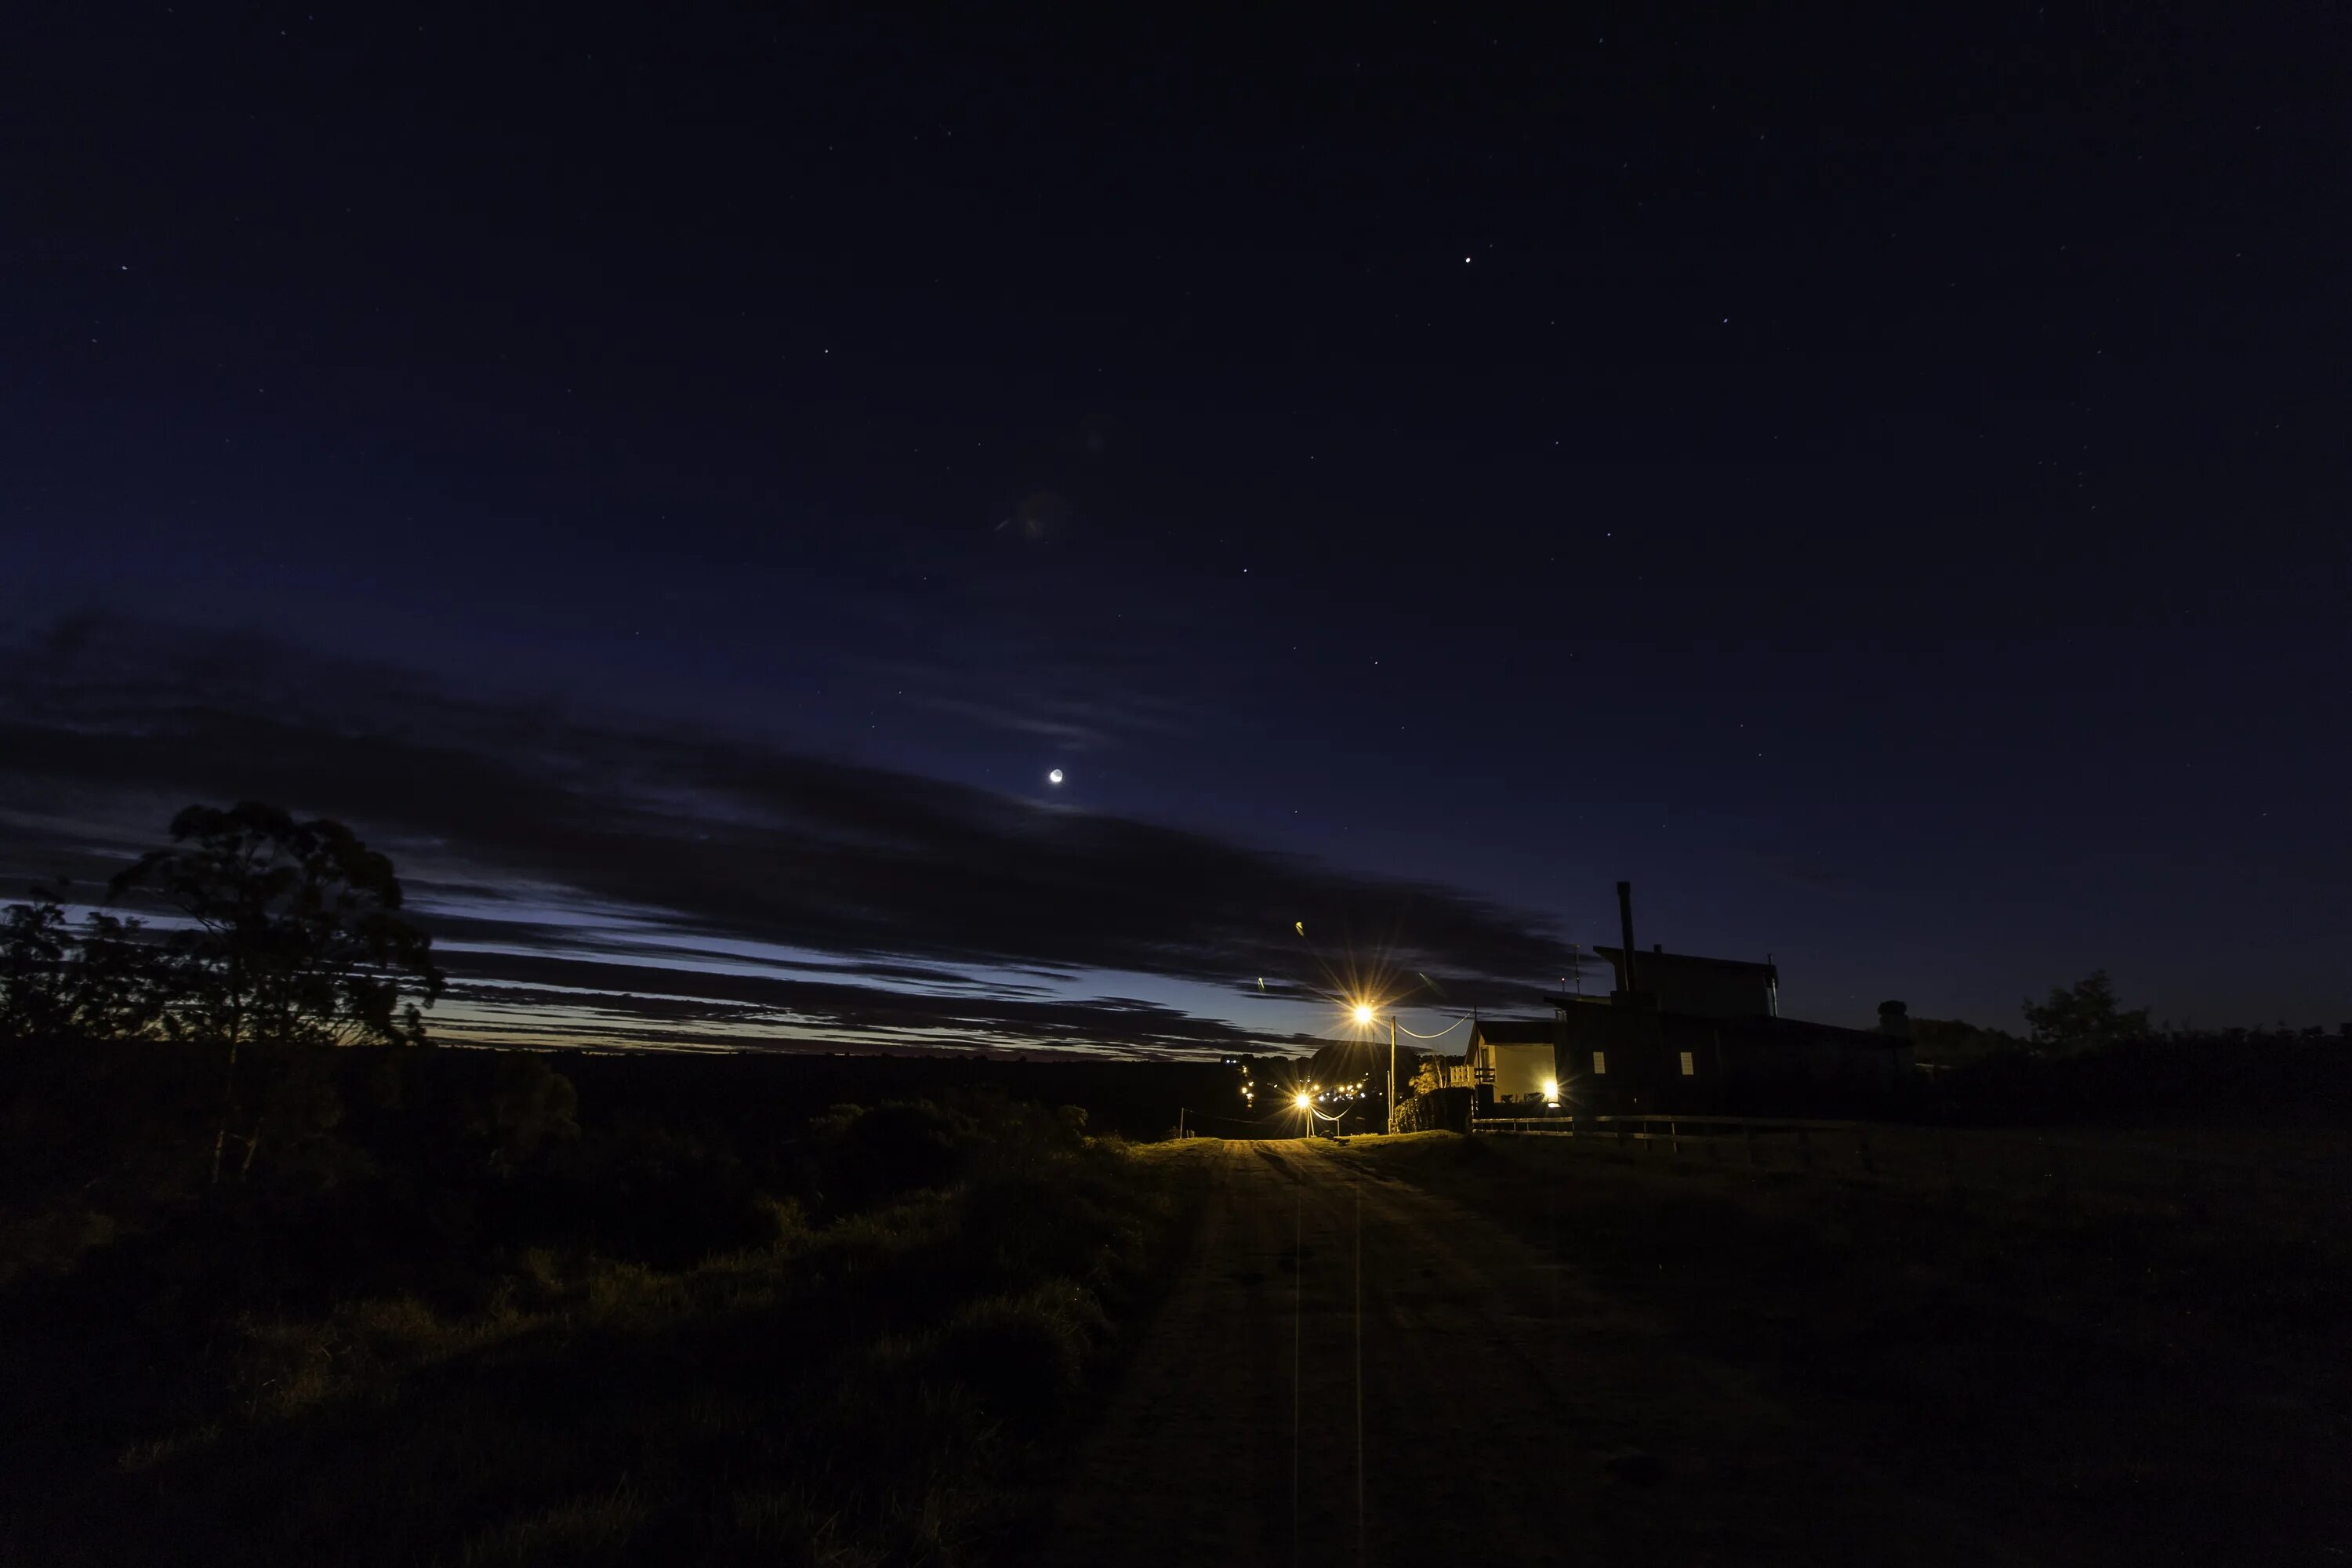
1509,1412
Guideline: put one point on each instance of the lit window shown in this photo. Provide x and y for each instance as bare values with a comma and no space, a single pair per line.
1689,1068
1601,1061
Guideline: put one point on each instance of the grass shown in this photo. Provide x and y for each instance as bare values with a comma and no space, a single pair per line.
879,1374
2134,1385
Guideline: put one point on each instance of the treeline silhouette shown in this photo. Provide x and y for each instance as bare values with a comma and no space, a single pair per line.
287,936
2088,1060
2184,1078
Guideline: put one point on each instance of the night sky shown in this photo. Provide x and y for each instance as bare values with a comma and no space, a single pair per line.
679,479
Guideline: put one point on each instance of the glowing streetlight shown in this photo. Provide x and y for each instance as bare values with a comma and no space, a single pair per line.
1370,1011
1303,1100
1365,1015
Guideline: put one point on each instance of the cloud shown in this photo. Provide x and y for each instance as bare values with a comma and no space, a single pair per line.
755,1007
551,836
1003,684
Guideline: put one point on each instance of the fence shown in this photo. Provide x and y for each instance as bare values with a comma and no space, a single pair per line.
2129,1170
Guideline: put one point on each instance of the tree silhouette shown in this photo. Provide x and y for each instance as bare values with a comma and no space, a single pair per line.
293,938
99,983
2085,1016
34,944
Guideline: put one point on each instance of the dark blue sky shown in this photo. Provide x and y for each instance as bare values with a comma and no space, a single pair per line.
1880,486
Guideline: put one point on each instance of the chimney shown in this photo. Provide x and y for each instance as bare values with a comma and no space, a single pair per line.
1625,926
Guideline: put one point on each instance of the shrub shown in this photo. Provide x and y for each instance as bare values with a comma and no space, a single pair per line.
863,1155
1025,1355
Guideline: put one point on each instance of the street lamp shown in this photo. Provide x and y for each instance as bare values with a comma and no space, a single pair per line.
1365,1014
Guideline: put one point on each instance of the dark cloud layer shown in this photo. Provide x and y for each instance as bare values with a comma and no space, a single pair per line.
533,814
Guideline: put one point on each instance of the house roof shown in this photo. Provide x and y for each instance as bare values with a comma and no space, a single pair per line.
1691,961
1751,1030
1797,1031
1514,1031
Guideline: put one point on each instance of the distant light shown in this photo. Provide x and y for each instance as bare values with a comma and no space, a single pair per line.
1303,1102
1363,1013
1055,777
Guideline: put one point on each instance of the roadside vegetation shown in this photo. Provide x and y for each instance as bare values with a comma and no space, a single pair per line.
483,1323
283,1282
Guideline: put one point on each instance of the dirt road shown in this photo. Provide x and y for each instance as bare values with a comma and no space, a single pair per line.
1352,1371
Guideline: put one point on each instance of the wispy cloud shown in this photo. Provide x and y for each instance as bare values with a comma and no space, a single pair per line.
778,891
1015,690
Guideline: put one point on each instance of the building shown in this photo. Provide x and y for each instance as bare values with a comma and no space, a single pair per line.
1515,1061
1681,1033
1600,1058
1699,987
1619,1059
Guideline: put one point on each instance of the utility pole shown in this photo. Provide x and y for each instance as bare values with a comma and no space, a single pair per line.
1393,1116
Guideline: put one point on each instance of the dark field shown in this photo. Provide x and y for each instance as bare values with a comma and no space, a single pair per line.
2095,1379
462,1308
